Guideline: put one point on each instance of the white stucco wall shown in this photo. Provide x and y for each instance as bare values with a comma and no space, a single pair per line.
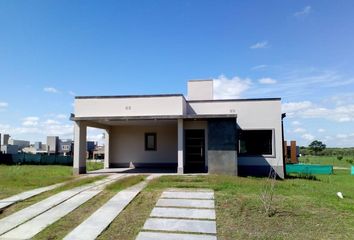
250,115
130,106
127,144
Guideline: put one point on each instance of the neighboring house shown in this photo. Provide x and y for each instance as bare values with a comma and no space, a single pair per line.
197,134
20,143
9,149
66,147
53,144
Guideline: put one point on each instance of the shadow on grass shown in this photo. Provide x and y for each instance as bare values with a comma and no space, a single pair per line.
302,176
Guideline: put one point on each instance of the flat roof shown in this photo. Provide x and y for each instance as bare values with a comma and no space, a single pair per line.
179,95
156,117
131,96
237,100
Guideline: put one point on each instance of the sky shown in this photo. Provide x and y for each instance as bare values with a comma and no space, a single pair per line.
301,51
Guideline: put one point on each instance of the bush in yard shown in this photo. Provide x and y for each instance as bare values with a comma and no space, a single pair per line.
339,157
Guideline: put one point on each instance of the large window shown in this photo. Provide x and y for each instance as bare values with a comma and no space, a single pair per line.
255,142
150,141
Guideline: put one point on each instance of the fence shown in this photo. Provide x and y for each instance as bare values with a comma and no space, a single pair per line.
25,158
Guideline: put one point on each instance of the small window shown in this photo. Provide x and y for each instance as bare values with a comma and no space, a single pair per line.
150,141
255,142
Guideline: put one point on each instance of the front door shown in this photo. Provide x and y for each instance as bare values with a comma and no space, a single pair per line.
194,151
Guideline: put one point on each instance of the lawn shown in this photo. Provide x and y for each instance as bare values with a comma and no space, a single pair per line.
18,178
305,209
328,160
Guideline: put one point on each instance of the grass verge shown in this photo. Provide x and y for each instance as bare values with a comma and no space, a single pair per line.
61,228
71,184
19,178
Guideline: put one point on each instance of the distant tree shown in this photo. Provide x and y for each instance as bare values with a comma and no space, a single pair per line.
317,146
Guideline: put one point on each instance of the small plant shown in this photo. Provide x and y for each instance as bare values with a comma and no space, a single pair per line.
350,161
267,194
339,158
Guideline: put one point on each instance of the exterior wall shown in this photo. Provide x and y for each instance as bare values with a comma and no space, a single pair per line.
130,106
200,90
251,115
127,145
9,149
53,144
20,143
222,139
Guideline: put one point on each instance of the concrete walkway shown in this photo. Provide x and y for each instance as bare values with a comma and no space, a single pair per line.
25,195
190,214
38,216
92,227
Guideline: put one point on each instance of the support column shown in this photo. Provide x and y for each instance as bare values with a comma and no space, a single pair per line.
80,131
180,156
106,148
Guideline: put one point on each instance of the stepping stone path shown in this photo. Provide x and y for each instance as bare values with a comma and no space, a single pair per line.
182,214
92,227
29,221
25,195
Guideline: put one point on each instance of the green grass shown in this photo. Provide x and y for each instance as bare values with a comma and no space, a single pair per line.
327,160
18,178
69,185
61,228
305,209
92,166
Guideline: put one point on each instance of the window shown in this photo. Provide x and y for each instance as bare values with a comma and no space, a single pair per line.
150,141
255,142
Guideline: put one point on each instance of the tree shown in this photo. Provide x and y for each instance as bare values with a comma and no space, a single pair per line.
317,146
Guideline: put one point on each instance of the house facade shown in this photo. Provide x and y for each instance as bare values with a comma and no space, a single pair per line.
193,135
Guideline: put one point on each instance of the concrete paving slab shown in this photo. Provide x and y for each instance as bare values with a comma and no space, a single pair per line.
100,220
25,195
37,224
190,203
34,210
187,195
183,213
173,236
180,225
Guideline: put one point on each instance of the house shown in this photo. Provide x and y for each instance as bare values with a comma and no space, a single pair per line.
197,134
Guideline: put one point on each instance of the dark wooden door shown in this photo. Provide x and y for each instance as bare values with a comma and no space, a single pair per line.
194,151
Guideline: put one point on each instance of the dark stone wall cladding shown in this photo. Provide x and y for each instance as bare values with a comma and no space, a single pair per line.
222,134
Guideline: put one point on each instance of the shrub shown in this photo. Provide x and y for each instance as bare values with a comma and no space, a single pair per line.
339,157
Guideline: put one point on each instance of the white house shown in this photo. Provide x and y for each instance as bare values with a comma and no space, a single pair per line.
197,134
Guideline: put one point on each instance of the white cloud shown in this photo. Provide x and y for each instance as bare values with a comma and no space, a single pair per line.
295,123
50,90
62,116
343,113
259,67
340,135
225,88
30,121
304,12
308,137
292,107
72,93
321,130
4,104
260,45
51,122
267,81
299,130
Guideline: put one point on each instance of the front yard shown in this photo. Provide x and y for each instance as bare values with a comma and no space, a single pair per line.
305,209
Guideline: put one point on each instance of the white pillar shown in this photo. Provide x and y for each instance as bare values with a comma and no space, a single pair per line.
180,155
80,129
106,148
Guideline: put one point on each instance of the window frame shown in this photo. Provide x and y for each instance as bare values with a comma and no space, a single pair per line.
273,147
146,141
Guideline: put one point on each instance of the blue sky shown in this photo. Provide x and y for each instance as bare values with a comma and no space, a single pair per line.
301,51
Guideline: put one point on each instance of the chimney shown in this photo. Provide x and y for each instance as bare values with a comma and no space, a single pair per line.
200,90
